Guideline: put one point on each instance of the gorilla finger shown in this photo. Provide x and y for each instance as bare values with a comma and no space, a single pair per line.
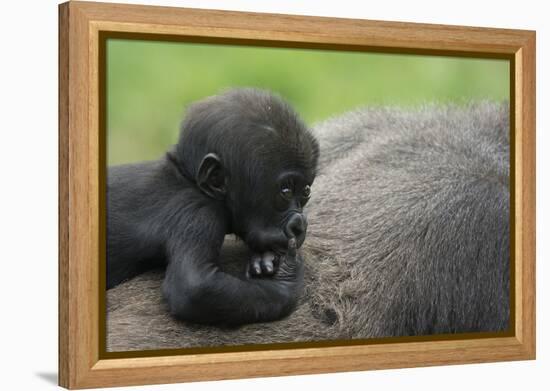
276,261
267,263
255,265
292,247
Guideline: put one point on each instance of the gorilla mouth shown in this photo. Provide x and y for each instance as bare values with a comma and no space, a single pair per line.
263,241
276,241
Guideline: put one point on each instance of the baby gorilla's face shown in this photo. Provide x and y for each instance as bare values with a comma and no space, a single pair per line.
271,220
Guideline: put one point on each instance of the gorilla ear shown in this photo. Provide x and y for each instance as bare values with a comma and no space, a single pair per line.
211,177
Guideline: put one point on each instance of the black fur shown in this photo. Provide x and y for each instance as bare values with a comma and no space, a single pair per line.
224,176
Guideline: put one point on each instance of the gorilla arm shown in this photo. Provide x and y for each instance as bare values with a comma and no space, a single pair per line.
197,290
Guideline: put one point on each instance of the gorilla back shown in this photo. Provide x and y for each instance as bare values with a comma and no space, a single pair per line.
244,164
427,247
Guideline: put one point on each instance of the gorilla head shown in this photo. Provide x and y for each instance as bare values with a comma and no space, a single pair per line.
248,149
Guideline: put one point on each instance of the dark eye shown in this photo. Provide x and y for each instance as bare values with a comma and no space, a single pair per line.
306,193
287,192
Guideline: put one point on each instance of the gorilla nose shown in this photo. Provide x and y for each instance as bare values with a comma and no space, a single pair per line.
296,226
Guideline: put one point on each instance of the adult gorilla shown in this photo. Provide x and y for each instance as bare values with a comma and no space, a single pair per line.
244,164
409,234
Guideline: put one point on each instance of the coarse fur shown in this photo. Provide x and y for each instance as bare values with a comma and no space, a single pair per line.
243,165
409,234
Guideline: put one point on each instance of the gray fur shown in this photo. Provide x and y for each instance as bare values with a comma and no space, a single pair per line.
408,235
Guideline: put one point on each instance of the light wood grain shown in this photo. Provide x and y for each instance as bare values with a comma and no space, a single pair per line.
64,353
525,130
80,365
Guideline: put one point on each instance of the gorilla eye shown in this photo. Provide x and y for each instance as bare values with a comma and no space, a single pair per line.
287,192
306,193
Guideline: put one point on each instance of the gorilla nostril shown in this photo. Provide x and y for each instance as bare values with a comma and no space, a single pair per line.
297,230
295,226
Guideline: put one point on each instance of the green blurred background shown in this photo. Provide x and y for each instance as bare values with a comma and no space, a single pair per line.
149,84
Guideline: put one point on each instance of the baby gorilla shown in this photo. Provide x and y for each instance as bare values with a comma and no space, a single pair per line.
244,164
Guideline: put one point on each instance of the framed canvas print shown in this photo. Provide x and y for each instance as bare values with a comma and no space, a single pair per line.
247,195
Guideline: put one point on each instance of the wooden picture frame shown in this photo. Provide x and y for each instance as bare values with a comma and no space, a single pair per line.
82,27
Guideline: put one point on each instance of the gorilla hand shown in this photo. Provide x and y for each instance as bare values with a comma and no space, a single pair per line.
267,264
290,264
